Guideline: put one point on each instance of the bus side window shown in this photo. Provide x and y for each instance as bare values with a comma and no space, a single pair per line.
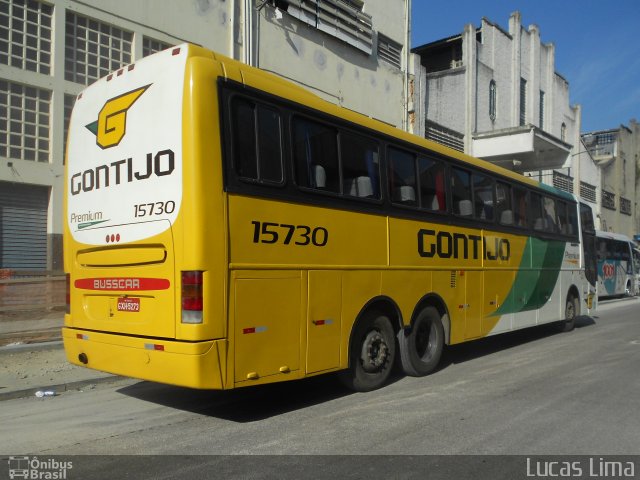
504,209
521,216
315,155
360,166
432,187
461,192
572,219
257,141
483,197
549,215
537,214
402,177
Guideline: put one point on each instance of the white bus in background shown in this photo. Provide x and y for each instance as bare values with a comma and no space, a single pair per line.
618,269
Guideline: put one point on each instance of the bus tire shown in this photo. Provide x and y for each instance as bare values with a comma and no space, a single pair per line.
372,353
421,348
570,313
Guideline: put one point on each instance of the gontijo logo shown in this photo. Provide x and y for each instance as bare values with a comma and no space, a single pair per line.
111,126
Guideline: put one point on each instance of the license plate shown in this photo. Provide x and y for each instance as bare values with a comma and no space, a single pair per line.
126,304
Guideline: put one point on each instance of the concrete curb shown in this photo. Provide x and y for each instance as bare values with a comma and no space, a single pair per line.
59,388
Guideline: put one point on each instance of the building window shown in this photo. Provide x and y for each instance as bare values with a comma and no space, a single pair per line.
444,136
625,206
523,101
25,35
93,49
608,200
150,46
588,192
24,122
492,100
344,20
563,132
389,51
541,119
562,181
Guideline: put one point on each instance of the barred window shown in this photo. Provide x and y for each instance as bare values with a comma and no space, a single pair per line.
562,181
588,192
93,49
492,100
608,200
24,122
625,206
25,35
150,46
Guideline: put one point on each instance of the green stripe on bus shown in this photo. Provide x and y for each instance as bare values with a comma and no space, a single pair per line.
536,277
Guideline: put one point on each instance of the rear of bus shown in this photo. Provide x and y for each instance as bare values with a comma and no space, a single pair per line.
144,222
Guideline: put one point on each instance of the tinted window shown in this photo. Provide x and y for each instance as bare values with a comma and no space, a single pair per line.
461,192
520,213
432,184
315,152
257,141
402,177
483,197
504,208
360,166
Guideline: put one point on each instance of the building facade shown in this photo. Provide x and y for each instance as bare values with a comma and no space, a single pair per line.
617,153
495,94
346,51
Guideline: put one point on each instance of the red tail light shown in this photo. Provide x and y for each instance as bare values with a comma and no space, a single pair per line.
192,301
67,294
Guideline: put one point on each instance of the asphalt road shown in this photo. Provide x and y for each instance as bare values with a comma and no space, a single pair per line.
529,393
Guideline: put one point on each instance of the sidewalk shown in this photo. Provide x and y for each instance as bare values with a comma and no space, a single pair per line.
28,368
32,357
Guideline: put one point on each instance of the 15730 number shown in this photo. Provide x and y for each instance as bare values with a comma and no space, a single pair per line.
268,232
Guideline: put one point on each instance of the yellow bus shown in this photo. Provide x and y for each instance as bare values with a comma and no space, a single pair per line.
227,228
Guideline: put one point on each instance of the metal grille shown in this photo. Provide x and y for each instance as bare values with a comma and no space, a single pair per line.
608,200
343,20
444,136
93,49
562,181
523,101
23,217
389,51
25,35
150,46
625,206
588,192
24,122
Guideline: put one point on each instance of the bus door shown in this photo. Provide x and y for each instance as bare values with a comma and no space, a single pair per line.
589,253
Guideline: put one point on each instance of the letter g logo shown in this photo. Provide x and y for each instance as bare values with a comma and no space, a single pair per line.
111,125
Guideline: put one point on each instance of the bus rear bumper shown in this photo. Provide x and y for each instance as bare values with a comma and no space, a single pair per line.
185,364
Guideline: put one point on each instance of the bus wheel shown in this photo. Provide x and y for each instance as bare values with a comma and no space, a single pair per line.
371,354
420,350
570,313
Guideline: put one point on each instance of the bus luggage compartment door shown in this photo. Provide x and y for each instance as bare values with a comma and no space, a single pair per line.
267,312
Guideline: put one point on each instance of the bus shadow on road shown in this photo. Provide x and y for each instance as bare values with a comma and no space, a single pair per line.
486,346
256,403
242,405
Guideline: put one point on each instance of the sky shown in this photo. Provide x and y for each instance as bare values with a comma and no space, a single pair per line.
597,46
